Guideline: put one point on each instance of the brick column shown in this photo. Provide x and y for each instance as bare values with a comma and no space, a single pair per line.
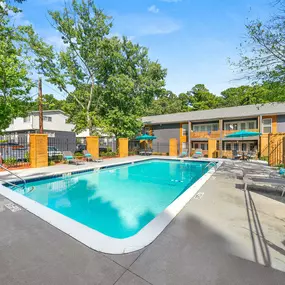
92,145
173,147
38,150
123,147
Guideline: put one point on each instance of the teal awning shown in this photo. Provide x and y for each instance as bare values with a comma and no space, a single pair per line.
243,134
145,137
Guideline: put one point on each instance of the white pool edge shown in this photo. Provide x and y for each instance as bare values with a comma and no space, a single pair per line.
99,241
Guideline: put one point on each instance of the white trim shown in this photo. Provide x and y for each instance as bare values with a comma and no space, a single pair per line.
100,242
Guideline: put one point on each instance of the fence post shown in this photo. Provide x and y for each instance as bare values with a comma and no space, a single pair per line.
38,150
92,145
123,147
173,147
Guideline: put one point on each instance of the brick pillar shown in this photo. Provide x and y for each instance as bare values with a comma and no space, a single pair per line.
92,145
212,147
123,147
173,147
38,150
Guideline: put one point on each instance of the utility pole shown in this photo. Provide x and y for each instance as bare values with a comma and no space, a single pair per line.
40,99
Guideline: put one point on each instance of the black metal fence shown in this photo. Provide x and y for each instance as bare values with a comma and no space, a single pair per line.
14,150
56,146
107,144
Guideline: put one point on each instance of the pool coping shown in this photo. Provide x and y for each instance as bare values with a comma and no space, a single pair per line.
96,240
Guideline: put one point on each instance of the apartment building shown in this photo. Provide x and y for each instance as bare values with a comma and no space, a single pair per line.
195,129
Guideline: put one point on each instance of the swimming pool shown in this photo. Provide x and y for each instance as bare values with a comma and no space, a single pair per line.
117,201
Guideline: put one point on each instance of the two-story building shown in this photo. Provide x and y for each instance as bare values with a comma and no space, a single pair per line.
193,130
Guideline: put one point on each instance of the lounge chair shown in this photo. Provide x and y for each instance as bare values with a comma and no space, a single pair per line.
183,154
278,184
69,157
250,155
236,155
89,156
148,151
198,153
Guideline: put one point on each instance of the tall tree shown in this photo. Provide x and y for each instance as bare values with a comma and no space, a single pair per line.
109,81
15,83
49,103
262,57
200,98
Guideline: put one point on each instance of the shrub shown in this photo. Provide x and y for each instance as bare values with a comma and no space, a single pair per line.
78,154
51,162
11,161
27,156
265,158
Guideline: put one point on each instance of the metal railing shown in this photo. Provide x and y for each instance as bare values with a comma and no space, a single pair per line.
211,162
23,180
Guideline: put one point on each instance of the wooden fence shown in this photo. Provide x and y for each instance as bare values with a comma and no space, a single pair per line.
276,149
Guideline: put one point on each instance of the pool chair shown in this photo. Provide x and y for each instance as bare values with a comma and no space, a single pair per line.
183,154
89,157
69,157
198,153
236,155
267,184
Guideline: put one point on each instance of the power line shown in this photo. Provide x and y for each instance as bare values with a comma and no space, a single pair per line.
54,90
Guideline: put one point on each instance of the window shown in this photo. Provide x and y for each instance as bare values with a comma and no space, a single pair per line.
184,146
228,146
236,146
251,146
242,126
203,128
47,119
251,125
196,145
185,130
27,119
267,126
243,146
215,127
196,128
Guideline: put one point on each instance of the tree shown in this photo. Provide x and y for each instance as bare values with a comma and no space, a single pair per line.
262,53
49,103
200,98
167,103
15,83
109,81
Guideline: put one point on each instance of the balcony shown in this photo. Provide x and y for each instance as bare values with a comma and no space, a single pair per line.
205,135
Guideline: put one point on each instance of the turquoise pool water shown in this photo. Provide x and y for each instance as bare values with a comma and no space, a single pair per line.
117,201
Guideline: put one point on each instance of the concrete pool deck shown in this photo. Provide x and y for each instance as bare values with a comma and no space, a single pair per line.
222,236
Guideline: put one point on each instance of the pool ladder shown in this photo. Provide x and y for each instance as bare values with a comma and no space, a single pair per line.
10,183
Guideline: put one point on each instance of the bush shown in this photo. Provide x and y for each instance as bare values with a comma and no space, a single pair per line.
264,158
51,162
78,154
11,161
27,156
108,154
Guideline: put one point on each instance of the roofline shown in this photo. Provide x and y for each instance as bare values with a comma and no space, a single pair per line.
146,122
48,111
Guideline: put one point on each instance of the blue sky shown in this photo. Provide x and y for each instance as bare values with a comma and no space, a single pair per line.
193,39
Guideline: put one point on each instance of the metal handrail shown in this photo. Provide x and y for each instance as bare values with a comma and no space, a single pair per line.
211,162
24,181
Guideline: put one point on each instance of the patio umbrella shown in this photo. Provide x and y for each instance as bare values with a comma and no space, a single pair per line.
146,137
243,134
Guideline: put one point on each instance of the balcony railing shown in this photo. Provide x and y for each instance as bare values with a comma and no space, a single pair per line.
205,135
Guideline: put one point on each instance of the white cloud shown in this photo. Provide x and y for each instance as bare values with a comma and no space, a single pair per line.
153,9
18,19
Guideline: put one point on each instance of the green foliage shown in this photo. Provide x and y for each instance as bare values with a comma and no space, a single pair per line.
49,103
11,161
15,83
262,55
113,79
108,154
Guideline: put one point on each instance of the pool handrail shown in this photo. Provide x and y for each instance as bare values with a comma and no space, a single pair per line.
6,169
